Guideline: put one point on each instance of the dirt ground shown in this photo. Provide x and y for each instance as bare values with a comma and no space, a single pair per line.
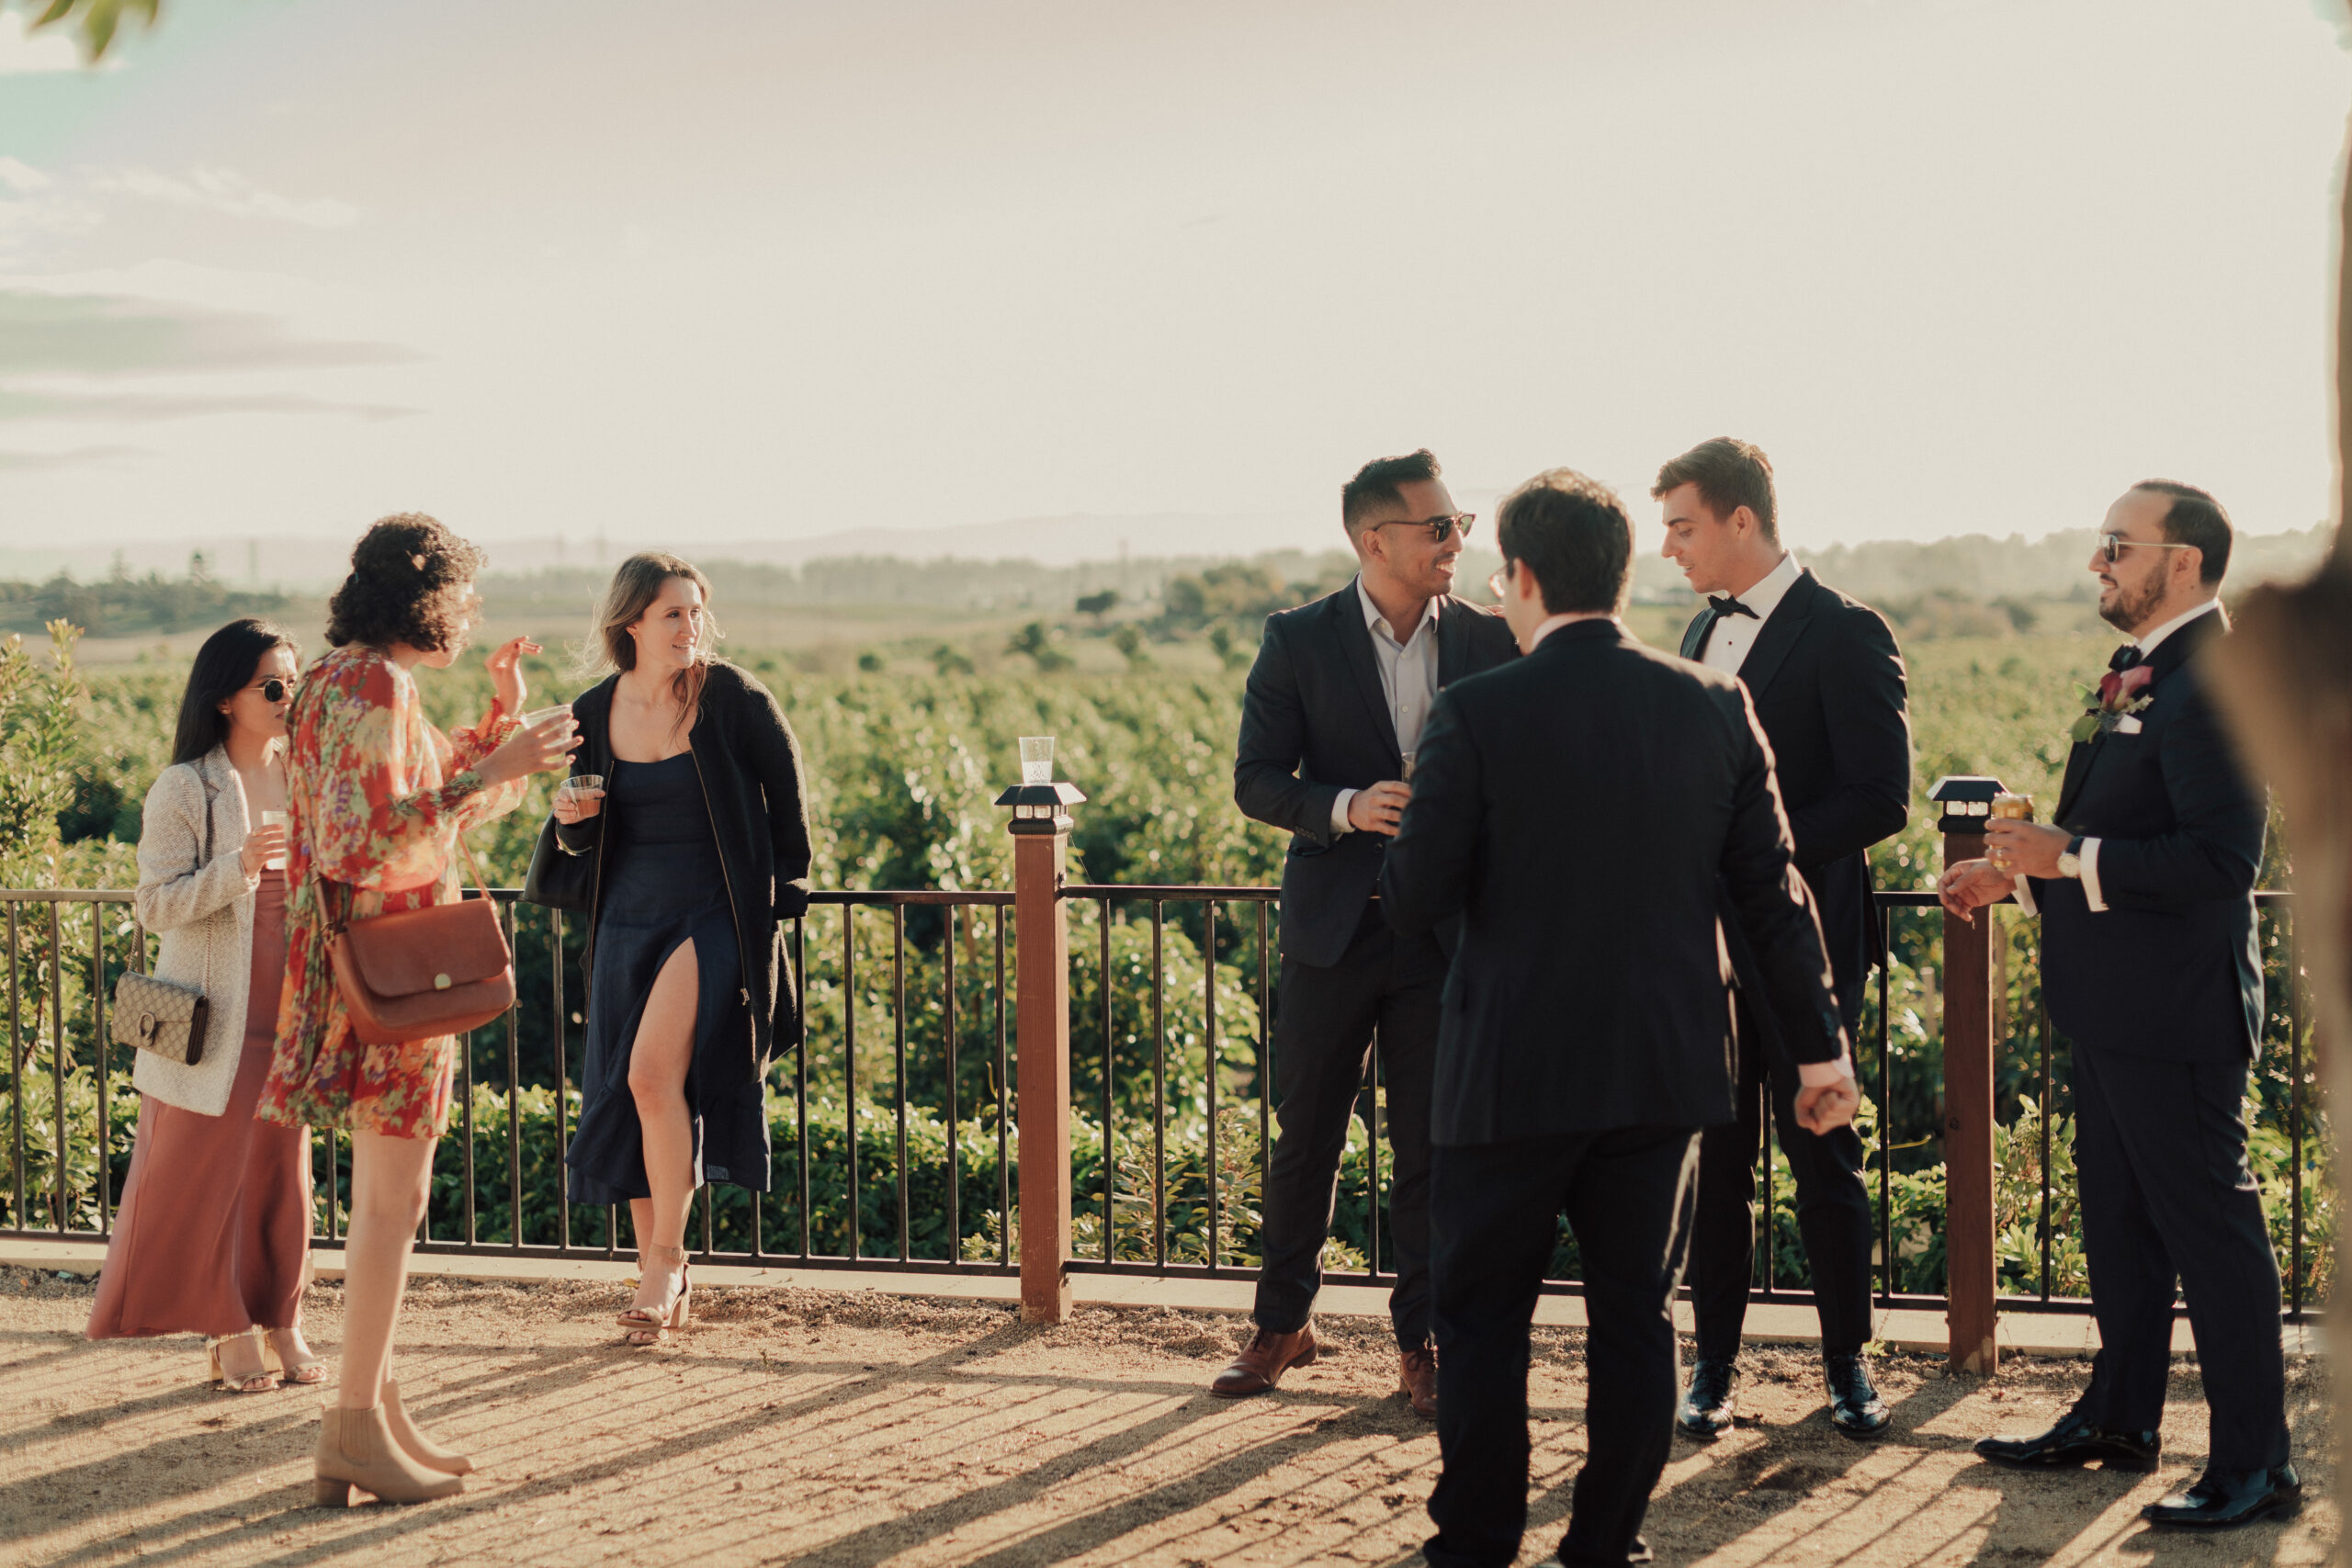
851,1429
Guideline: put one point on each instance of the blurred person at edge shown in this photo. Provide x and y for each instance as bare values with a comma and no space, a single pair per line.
1594,815
2143,880
1830,693
213,1235
700,840
377,797
1333,708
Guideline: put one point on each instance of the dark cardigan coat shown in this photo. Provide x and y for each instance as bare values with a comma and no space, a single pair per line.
749,760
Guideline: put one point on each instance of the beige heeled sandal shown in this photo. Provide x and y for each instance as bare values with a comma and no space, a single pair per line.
262,1382
414,1443
649,1325
356,1452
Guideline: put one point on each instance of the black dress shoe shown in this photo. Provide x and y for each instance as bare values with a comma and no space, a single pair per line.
2225,1497
1705,1412
2074,1441
1855,1408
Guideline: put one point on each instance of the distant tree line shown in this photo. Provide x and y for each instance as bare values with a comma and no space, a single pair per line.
124,605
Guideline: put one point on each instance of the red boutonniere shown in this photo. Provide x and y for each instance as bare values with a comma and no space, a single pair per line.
2119,693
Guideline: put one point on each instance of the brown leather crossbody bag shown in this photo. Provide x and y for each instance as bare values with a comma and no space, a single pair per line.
418,973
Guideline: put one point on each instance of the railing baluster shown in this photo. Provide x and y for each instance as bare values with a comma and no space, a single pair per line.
1003,1110
64,1212
1208,1031
849,1070
898,1055
954,1098
1885,919
102,1048
800,1071
16,1068
513,1110
1110,1067
1159,1091
562,1093
1372,1163
2294,1117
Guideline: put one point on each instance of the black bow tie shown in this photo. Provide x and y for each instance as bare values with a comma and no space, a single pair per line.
2125,657
1724,604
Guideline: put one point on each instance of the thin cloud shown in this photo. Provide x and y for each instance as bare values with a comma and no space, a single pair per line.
22,177
225,191
98,335
140,407
24,53
79,457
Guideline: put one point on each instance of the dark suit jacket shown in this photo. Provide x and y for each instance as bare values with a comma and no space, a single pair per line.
1315,721
1588,810
1829,689
2169,970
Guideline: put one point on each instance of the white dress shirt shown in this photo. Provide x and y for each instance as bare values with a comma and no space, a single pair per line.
1732,636
2088,853
1408,679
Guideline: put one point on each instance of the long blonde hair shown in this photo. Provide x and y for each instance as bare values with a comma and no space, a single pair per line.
635,586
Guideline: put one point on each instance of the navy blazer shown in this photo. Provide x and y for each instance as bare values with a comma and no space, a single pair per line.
1832,694
2169,970
1315,720
1588,811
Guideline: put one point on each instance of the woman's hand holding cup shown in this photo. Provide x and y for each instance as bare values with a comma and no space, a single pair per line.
262,846
545,743
579,797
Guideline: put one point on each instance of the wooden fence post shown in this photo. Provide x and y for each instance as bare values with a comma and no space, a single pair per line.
1971,1275
1041,979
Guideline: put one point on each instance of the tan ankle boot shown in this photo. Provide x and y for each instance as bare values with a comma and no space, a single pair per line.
414,1443
356,1451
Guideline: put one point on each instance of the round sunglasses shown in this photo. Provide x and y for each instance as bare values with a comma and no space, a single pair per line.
272,690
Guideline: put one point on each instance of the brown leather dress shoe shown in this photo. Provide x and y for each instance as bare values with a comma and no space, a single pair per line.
1261,1366
1417,1374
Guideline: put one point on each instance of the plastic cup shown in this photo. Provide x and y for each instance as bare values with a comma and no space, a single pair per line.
578,785
540,715
274,819
1036,758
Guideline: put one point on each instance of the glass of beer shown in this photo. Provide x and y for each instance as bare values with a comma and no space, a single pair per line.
2016,808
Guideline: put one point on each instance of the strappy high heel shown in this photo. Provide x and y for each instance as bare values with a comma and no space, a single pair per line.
298,1374
262,1382
647,1325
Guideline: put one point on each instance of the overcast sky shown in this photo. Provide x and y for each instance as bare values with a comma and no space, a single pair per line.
728,270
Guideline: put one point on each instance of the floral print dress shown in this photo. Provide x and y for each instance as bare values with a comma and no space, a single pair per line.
376,797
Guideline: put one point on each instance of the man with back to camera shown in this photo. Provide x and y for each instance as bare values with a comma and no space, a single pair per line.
1333,709
2144,884
1595,814
1829,689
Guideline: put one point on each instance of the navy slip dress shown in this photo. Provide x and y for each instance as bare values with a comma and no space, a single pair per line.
663,886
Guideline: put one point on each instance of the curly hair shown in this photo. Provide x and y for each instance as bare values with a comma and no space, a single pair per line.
412,581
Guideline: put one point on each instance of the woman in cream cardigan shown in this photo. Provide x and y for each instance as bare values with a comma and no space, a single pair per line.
214,1232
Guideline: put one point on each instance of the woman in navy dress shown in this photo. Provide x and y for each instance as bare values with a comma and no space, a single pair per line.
696,849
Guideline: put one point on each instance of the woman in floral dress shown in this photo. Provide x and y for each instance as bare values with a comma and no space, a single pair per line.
377,799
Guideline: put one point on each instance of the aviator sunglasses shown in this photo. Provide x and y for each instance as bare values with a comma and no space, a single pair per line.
2112,546
1441,528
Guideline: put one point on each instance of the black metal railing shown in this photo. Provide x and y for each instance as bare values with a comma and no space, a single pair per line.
1164,1195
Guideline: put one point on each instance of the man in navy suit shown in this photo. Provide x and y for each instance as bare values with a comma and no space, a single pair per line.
2144,884
1330,724
1830,692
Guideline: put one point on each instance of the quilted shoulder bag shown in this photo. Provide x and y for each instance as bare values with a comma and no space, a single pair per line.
422,972
165,1016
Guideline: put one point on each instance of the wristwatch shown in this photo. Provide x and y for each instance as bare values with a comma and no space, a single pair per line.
2070,860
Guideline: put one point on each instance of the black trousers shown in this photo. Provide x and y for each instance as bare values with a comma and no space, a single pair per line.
2160,1159
1322,1039
1494,1210
1833,1207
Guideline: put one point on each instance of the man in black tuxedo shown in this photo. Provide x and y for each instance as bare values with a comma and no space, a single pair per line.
1329,725
1590,814
2145,888
1829,686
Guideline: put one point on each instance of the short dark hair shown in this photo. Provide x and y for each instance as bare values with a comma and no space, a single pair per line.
411,579
1574,533
223,665
2195,518
1375,484
1730,474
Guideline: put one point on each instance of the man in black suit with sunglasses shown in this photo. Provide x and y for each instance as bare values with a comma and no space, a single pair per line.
2145,883
1830,692
1330,722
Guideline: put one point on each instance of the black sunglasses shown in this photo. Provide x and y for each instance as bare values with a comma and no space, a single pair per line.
1441,528
2112,546
272,690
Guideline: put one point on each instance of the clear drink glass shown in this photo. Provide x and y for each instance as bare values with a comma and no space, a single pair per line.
273,819
580,785
1036,758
